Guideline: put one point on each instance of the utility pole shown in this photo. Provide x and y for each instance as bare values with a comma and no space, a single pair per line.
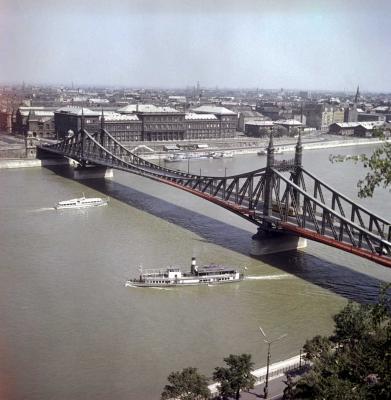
269,343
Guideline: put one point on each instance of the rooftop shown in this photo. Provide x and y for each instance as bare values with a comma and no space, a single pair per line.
194,116
291,122
260,123
76,110
114,116
213,110
146,108
347,124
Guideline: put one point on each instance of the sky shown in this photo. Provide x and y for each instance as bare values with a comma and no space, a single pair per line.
269,44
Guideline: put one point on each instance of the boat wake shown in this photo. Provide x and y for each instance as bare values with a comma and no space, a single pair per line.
268,277
128,284
43,209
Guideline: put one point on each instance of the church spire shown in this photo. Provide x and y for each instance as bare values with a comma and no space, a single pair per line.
357,97
102,121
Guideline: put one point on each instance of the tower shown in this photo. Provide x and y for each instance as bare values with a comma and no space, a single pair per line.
357,97
268,190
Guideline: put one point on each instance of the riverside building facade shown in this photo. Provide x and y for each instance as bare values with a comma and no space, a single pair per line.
136,122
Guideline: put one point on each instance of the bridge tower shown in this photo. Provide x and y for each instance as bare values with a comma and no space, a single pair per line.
268,191
83,137
296,175
269,239
84,171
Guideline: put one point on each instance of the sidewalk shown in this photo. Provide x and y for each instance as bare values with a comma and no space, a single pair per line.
276,377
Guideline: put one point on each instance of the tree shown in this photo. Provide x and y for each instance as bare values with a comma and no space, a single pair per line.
378,164
236,377
355,362
186,385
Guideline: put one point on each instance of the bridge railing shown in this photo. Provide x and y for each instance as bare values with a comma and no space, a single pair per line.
297,206
346,207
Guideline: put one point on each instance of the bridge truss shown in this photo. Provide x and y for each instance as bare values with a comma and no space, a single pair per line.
282,197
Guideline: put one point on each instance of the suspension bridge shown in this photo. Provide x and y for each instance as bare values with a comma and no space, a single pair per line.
282,199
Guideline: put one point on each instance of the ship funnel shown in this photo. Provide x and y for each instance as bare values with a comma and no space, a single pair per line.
194,267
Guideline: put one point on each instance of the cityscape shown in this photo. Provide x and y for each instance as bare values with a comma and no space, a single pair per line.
196,200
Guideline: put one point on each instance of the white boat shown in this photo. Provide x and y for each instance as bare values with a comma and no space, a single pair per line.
176,157
277,150
173,276
222,154
81,202
186,156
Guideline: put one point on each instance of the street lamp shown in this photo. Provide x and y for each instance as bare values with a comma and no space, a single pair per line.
269,343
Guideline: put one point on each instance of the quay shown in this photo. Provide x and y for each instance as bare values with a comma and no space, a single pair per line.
12,158
276,370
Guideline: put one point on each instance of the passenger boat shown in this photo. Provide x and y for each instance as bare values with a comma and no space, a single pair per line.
81,202
222,154
173,276
277,150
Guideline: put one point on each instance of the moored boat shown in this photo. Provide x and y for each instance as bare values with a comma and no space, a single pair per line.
82,202
222,154
173,276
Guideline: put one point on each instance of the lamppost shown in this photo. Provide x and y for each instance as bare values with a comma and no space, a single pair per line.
269,343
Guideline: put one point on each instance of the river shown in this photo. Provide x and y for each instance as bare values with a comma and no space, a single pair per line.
70,329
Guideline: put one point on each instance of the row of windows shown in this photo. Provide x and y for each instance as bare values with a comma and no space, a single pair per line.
200,125
160,136
120,128
162,126
161,118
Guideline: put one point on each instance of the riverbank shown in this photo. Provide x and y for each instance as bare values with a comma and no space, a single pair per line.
234,147
276,370
283,145
31,163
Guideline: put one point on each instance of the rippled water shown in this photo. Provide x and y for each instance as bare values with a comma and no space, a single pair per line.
70,329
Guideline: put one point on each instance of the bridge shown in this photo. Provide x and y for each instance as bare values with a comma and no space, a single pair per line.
283,199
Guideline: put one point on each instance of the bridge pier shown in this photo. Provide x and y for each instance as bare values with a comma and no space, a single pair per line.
269,242
92,172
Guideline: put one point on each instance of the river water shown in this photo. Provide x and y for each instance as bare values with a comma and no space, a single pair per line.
70,329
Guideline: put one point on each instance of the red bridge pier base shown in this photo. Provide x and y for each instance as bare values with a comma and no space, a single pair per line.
275,242
92,172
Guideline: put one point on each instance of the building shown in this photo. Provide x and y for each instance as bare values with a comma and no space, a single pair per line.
367,117
228,119
41,124
367,129
258,128
158,123
22,118
125,128
147,122
362,129
343,128
6,120
291,125
247,116
202,126
68,120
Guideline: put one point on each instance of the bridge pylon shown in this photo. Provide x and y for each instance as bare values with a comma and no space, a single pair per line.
268,239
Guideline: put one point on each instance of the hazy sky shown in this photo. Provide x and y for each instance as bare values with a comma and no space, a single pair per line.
175,43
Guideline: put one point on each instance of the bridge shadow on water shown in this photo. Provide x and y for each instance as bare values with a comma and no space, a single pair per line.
337,278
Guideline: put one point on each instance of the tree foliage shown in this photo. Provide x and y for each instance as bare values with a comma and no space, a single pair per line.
236,376
354,363
186,385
